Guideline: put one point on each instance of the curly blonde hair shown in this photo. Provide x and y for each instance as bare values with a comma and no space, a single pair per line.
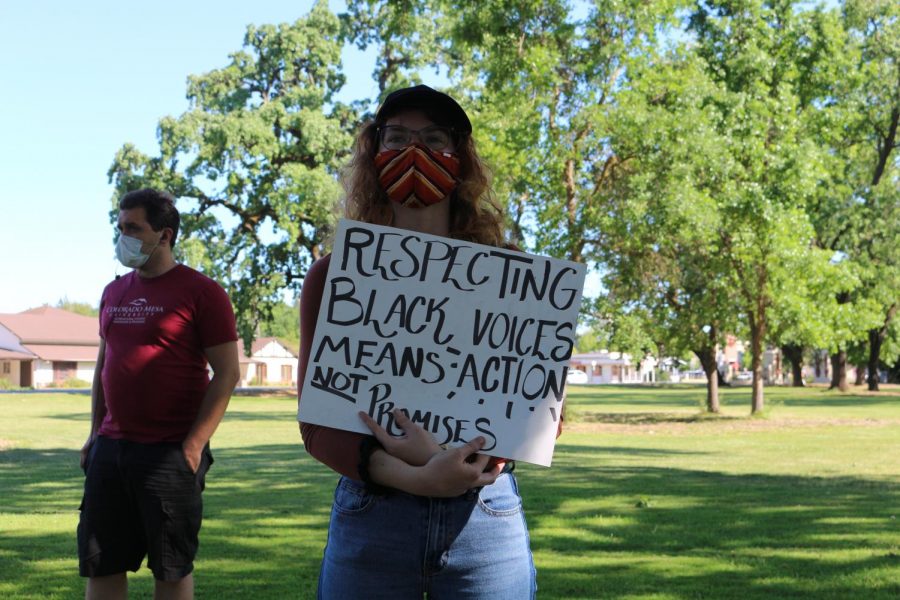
474,215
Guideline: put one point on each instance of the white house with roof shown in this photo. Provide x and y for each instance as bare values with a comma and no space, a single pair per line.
270,363
614,367
46,345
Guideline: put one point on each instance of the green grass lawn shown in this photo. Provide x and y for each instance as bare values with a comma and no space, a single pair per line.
646,499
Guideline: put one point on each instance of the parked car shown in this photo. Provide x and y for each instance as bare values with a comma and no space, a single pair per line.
575,376
695,374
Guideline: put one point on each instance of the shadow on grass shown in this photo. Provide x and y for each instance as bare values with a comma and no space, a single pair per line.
731,536
80,417
651,398
837,400
231,415
630,451
285,416
651,418
44,480
266,511
647,397
674,532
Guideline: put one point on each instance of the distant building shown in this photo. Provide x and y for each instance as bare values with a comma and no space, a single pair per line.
47,345
270,363
614,367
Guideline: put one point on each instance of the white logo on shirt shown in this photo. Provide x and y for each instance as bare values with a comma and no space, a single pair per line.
133,313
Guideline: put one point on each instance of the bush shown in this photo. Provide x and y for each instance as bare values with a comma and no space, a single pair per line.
6,384
71,382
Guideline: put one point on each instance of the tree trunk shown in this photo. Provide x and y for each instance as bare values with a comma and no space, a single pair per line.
860,373
794,354
778,375
876,339
839,371
757,335
839,359
707,358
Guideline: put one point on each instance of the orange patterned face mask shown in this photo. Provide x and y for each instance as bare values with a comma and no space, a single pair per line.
417,176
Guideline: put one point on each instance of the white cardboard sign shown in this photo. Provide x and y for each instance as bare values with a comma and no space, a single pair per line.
468,339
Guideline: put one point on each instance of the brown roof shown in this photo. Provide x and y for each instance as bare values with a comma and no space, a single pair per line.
243,358
62,352
48,325
13,355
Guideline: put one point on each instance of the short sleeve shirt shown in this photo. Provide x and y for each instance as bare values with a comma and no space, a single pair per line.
155,370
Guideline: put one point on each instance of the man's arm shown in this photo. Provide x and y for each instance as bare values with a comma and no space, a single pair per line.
226,372
98,403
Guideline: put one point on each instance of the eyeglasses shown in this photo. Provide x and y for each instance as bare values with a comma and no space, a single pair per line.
435,137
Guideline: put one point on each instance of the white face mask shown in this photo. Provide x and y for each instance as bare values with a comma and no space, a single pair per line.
128,251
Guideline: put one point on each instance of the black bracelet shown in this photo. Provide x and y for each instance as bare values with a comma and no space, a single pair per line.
366,448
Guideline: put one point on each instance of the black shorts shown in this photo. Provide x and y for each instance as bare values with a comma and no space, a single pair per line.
140,500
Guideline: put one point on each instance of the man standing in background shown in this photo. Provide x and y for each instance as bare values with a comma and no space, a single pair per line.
154,407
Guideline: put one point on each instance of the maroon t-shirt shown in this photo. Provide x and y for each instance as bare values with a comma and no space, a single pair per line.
155,370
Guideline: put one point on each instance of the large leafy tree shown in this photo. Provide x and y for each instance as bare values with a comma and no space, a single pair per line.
661,228
254,161
690,175
772,166
548,82
869,159
284,325
712,225
850,94
548,76
407,36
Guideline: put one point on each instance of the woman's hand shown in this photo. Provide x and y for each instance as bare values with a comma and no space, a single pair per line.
415,447
447,474
457,470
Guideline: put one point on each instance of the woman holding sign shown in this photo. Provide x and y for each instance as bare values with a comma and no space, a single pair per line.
411,517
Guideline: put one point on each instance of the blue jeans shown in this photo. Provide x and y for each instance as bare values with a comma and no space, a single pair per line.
401,546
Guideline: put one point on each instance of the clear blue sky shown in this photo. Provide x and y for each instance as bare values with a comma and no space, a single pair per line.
79,80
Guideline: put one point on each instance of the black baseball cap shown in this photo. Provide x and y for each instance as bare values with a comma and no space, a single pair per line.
422,96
